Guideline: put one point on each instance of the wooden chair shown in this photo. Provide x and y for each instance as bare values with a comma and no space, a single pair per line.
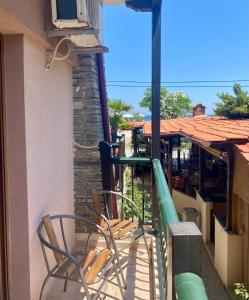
122,227
87,267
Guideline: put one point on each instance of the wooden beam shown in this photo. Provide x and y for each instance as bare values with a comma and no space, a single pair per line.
169,169
229,203
212,151
178,152
201,169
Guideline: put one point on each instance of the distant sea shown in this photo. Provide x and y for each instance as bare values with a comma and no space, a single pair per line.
147,118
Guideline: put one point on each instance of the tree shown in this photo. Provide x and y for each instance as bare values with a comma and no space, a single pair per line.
138,117
116,110
173,105
233,106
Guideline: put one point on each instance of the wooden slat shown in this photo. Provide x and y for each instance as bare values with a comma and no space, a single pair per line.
124,231
121,225
111,222
97,266
53,239
90,256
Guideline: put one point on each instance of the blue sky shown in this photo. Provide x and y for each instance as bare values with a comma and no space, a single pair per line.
201,40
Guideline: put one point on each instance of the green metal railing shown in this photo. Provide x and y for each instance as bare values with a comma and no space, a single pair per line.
167,215
166,204
188,286
135,161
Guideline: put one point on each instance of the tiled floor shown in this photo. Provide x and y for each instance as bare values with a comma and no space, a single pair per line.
135,264
137,272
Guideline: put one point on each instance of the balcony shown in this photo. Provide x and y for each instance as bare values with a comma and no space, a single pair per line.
177,249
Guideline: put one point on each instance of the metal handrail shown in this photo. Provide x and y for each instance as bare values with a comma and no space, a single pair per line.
131,161
190,286
166,204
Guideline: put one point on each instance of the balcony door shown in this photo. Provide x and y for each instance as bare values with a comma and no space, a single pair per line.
3,263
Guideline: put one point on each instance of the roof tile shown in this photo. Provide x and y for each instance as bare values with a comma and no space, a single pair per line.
204,128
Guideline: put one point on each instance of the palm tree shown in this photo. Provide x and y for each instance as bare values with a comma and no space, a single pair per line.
116,110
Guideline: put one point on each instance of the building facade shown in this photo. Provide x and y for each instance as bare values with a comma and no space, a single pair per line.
42,113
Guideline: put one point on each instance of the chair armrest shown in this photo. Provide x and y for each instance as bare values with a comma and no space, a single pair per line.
103,217
122,197
61,251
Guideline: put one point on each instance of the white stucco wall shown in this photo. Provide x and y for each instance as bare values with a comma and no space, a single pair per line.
48,122
205,216
182,200
241,203
228,255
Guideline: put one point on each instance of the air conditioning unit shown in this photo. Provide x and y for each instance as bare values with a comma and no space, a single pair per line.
79,24
70,13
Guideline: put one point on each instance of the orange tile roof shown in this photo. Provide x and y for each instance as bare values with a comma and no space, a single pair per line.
204,128
137,124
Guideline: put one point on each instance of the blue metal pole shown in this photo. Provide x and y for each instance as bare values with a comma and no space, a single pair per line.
156,77
155,89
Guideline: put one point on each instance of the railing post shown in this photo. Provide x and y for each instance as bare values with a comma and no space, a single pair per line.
156,77
183,252
106,168
169,170
156,87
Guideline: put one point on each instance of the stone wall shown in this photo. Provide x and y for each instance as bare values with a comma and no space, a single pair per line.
88,131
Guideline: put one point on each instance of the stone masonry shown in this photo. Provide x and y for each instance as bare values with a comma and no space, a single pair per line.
88,131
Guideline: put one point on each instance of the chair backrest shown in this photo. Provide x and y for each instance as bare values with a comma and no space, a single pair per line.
53,239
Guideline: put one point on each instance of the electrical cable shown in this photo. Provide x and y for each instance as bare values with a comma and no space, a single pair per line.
54,57
185,81
176,86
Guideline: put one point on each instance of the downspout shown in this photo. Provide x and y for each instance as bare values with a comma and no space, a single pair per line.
105,119
103,97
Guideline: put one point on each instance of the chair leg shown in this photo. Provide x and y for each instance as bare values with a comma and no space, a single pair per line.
88,297
43,285
65,283
119,281
119,264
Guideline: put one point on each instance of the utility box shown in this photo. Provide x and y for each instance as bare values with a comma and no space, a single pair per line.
190,214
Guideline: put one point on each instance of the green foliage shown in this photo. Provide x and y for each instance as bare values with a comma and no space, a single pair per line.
233,106
138,196
241,290
116,110
125,125
138,117
173,105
